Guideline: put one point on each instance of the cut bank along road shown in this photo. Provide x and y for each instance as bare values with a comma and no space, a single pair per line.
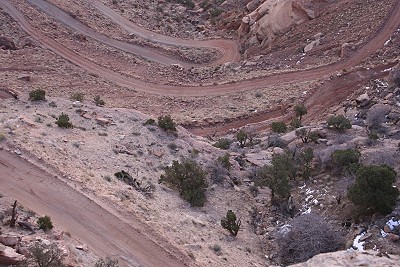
377,41
92,224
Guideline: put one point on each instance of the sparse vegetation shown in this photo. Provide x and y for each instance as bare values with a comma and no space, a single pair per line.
300,111
347,160
339,123
98,101
167,123
45,223
77,96
42,255
149,122
224,161
37,95
242,137
63,121
231,223
306,135
373,190
223,143
278,127
309,235
106,262
189,179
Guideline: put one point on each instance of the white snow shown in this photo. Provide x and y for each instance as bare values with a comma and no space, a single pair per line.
392,223
357,244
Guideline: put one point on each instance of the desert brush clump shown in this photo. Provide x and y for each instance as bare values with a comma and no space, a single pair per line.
223,143
242,137
98,101
45,223
339,123
37,95
231,223
278,127
166,123
346,160
189,179
63,121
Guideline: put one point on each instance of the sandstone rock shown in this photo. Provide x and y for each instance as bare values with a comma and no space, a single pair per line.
102,121
273,18
8,256
310,46
344,258
7,44
24,77
278,151
363,100
9,240
252,5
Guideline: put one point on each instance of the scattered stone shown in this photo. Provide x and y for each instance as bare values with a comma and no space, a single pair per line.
24,77
363,100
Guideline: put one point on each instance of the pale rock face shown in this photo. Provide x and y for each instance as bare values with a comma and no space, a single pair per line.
271,19
343,258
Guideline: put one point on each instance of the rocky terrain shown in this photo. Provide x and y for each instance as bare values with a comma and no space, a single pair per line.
335,57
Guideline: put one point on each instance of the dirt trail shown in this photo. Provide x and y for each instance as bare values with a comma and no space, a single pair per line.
387,29
94,225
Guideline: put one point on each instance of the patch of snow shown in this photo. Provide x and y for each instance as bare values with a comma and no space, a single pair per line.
301,187
388,41
392,223
357,244
383,233
307,211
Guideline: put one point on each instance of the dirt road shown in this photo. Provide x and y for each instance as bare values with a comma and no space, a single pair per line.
92,224
387,29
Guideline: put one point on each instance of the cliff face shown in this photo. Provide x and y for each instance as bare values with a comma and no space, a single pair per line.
343,258
271,18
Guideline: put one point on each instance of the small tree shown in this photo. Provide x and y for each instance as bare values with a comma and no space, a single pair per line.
278,127
373,189
242,137
166,123
189,179
98,101
42,255
295,123
306,135
77,96
63,121
37,95
347,160
306,157
231,223
339,123
277,176
300,111
45,223
107,262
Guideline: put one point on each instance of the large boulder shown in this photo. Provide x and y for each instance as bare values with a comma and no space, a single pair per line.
8,256
7,44
343,258
271,19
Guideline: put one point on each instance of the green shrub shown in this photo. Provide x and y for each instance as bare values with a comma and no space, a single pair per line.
223,143
306,157
63,121
37,95
166,123
77,96
98,101
242,137
45,223
224,160
373,136
339,123
189,179
300,111
295,123
347,160
231,223
373,190
149,122
278,127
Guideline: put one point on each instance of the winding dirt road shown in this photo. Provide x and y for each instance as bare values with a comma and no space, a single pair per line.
94,225
387,29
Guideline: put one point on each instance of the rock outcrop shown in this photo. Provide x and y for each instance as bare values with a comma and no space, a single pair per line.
369,258
8,256
7,44
270,19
